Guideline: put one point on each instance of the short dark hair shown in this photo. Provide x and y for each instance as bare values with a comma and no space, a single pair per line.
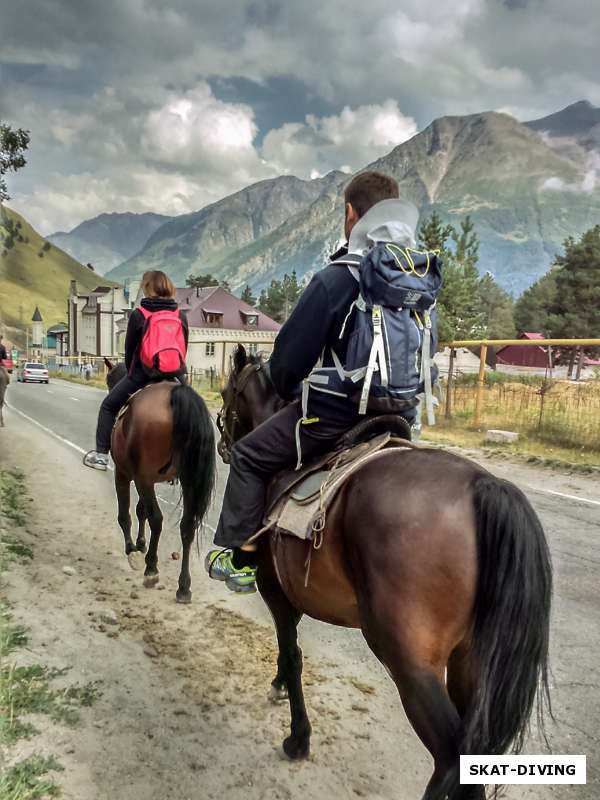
368,188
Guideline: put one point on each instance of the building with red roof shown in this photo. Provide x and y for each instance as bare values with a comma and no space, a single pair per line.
525,356
218,322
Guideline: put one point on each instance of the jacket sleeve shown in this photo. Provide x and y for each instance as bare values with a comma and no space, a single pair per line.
133,337
185,327
301,340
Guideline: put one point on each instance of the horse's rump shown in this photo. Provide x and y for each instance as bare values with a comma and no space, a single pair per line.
397,513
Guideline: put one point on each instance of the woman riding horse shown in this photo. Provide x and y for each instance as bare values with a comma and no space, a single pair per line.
159,295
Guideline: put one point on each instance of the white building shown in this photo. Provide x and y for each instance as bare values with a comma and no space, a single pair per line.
94,318
218,321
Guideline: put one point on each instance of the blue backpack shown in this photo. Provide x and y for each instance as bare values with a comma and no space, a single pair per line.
394,332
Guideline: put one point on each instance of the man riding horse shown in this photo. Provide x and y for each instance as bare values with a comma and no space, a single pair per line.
319,325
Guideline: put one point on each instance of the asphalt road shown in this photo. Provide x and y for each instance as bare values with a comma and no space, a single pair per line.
569,507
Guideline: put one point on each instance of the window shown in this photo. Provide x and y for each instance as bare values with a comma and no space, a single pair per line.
209,350
253,349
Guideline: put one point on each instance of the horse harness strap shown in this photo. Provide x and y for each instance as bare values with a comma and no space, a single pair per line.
238,387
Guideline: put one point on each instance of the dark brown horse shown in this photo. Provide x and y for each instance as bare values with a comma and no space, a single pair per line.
166,433
444,568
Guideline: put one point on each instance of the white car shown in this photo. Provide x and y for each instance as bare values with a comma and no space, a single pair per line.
32,371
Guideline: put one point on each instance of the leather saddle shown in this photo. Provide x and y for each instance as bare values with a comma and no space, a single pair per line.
366,437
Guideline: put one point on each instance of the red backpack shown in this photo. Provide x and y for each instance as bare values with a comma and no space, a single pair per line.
163,348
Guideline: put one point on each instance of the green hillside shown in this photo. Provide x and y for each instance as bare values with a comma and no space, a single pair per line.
34,272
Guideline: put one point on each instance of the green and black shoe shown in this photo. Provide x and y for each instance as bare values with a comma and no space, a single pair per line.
220,567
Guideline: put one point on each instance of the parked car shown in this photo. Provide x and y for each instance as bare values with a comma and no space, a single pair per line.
32,371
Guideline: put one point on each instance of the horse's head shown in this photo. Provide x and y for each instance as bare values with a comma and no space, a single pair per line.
115,372
249,398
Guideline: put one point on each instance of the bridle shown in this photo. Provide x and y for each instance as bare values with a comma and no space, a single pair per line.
228,417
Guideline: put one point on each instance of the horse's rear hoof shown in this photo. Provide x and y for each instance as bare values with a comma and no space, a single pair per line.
278,694
296,749
150,581
185,598
136,560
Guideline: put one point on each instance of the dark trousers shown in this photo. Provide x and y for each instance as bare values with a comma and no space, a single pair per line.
255,459
112,403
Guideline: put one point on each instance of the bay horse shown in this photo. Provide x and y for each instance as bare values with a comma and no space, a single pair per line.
4,381
445,569
165,433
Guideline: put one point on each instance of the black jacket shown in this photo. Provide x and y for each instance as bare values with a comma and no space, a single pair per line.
135,330
3,353
314,326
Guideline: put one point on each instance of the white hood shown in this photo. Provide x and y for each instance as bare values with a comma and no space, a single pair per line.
387,221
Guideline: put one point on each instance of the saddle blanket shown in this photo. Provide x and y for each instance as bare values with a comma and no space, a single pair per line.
301,511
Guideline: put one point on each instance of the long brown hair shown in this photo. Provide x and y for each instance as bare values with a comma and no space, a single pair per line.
156,284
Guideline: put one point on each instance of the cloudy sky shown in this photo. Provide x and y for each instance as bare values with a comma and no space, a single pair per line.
167,105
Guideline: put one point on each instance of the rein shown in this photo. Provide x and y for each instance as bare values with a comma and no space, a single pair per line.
229,411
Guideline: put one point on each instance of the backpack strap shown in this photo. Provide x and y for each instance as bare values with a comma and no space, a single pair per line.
145,313
426,367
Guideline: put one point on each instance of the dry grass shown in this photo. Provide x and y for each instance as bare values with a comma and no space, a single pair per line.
557,420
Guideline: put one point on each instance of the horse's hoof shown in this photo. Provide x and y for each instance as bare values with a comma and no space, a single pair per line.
150,581
136,560
296,749
185,598
278,694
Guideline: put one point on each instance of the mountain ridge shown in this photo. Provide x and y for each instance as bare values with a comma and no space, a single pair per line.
525,189
108,239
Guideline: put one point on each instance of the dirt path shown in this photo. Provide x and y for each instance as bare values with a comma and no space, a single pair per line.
183,710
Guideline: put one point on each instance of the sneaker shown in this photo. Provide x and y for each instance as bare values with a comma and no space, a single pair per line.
96,460
219,565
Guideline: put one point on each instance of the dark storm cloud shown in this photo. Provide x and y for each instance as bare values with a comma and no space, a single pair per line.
168,103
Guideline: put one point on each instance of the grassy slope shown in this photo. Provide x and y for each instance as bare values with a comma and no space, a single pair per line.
26,280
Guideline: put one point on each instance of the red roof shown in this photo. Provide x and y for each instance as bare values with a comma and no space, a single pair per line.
216,300
526,335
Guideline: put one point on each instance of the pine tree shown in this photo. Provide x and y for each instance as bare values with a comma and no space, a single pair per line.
248,297
575,312
459,312
13,144
201,281
497,308
279,300
433,235
532,309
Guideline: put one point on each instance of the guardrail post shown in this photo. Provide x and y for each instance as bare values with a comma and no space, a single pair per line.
449,384
480,384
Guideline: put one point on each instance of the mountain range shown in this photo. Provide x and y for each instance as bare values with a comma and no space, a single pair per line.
109,239
527,186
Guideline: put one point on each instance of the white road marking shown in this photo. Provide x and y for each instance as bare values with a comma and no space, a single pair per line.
77,400
58,436
567,496
170,502
49,391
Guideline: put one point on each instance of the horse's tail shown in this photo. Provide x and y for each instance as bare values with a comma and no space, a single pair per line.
193,449
512,620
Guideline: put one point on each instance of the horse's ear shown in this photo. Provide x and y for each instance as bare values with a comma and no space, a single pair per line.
109,364
240,358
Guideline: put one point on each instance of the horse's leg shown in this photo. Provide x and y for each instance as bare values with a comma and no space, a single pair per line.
155,520
140,511
289,661
420,683
186,527
461,690
123,488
